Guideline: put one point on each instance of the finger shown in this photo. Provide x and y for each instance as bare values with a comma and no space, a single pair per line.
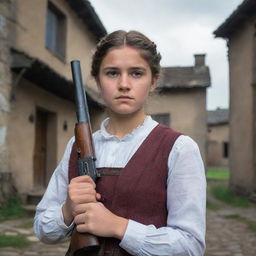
98,196
82,228
100,204
82,209
83,199
82,178
82,185
79,209
80,219
75,187
82,191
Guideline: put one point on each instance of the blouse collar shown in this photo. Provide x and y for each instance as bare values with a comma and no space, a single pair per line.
140,128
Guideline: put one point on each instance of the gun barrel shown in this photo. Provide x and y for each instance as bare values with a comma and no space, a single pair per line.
80,97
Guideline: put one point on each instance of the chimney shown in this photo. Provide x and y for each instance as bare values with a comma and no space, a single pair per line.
199,60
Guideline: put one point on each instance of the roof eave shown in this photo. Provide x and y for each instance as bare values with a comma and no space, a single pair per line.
86,12
236,19
176,87
46,78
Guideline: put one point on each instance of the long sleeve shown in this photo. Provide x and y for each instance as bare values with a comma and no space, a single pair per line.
49,225
186,197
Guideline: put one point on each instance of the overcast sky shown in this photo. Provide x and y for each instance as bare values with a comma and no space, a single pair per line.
180,28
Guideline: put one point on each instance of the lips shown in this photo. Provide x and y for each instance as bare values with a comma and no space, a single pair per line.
124,97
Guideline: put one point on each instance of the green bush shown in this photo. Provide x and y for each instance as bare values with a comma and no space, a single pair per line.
224,194
212,206
217,174
14,241
11,209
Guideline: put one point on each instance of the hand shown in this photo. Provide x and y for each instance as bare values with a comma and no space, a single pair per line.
98,220
81,191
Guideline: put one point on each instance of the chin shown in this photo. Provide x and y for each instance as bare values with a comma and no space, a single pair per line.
126,112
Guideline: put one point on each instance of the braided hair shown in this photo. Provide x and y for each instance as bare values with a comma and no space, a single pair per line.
121,38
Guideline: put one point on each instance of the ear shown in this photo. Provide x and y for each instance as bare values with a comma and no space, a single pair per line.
154,83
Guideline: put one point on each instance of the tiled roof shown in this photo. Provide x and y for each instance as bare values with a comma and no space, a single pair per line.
86,12
185,77
218,116
243,12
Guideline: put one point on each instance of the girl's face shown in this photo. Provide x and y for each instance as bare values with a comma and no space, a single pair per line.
125,80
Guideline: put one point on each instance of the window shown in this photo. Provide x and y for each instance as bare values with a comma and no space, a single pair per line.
225,149
162,119
55,37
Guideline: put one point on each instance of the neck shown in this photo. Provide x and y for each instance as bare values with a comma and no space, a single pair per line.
121,125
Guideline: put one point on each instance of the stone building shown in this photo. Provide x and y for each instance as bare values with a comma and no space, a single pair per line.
39,38
180,100
239,30
218,138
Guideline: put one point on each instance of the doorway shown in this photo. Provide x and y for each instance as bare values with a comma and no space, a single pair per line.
45,149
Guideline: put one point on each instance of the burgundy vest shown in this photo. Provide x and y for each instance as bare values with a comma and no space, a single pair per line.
137,191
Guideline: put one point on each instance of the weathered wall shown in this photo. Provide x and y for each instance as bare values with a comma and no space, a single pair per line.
241,108
28,98
5,89
30,36
187,109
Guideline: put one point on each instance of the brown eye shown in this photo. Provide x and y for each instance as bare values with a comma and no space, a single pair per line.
137,74
112,73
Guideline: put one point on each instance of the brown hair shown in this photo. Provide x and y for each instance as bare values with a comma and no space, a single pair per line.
133,39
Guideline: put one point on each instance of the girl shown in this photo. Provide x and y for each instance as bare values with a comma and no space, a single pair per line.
151,197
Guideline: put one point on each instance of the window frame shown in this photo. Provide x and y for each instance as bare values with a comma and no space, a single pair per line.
157,117
55,31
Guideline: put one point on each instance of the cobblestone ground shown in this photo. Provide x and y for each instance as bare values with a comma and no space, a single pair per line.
228,234
36,248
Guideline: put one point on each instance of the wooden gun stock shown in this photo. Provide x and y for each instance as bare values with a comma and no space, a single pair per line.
81,243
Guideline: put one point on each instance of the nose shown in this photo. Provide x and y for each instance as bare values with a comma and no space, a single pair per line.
124,82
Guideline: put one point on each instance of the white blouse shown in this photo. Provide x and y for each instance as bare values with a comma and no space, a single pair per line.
186,196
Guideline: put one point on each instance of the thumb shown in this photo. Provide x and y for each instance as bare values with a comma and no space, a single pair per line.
98,196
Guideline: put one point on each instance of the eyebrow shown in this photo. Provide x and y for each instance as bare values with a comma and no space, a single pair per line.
131,68
106,68
136,68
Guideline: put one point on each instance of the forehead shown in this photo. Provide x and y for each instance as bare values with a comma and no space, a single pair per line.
124,56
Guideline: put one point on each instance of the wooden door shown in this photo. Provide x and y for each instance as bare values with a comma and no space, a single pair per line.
40,149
